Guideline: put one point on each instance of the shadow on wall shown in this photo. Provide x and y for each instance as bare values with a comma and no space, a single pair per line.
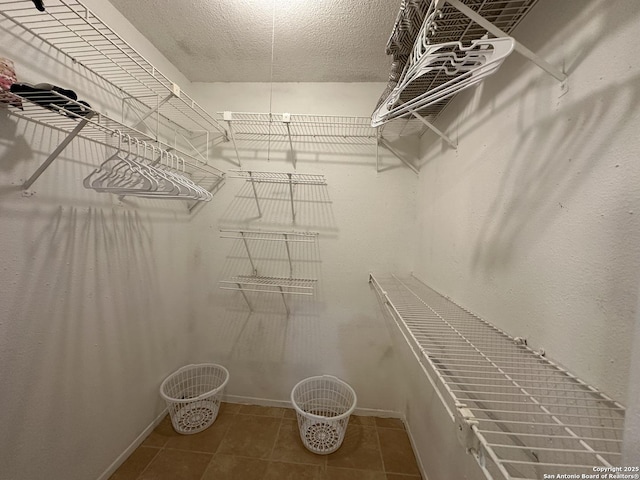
78,334
348,151
270,258
602,22
15,146
532,190
274,208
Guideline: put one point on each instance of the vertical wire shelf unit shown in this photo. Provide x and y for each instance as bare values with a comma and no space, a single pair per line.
290,179
283,286
517,412
71,29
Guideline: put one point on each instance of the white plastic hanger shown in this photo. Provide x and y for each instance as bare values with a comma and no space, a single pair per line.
466,66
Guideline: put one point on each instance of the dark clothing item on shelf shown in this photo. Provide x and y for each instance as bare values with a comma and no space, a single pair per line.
39,5
53,98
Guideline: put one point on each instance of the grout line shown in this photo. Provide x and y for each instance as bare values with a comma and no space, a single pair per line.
148,464
384,468
275,442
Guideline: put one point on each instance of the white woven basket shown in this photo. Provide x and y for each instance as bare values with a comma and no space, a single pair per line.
323,405
193,395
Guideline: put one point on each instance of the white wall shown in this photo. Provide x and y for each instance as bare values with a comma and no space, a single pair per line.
366,222
532,222
631,446
94,308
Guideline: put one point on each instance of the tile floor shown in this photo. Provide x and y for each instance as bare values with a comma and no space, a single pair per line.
248,442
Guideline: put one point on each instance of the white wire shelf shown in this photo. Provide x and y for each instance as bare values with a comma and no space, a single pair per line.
303,127
445,21
290,179
519,413
248,236
279,177
270,285
73,30
101,129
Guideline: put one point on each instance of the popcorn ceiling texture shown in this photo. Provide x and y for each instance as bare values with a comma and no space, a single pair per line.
230,40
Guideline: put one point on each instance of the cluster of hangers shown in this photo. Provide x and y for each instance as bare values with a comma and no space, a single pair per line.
144,170
462,66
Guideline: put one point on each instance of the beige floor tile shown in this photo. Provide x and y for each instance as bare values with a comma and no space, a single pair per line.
135,464
359,450
397,453
290,414
362,421
229,408
161,434
276,412
250,436
177,465
333,473
205,441
289,447
389,423
229,467
292,471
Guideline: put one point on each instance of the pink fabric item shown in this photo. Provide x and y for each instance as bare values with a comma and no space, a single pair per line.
8,78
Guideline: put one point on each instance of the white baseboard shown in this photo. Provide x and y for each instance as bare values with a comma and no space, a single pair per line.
135,444
266,402
415,450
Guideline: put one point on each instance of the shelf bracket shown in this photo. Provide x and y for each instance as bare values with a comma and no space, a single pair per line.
73,134
521,49
429,125
293,210
228,117
284,300
286,243
286,119
255,192
245,296
151,111
378,137
388,146
246,245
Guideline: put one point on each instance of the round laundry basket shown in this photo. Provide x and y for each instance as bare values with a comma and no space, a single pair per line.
323,405
193,396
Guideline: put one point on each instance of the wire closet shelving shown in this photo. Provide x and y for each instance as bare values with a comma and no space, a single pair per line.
520,414
71,29
291,179
258,283
423,23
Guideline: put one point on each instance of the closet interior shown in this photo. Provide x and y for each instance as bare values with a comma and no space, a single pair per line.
454,237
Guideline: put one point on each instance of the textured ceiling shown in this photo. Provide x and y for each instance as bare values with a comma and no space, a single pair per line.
230,40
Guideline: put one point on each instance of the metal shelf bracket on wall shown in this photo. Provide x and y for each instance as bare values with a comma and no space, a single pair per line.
59,149
521,49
